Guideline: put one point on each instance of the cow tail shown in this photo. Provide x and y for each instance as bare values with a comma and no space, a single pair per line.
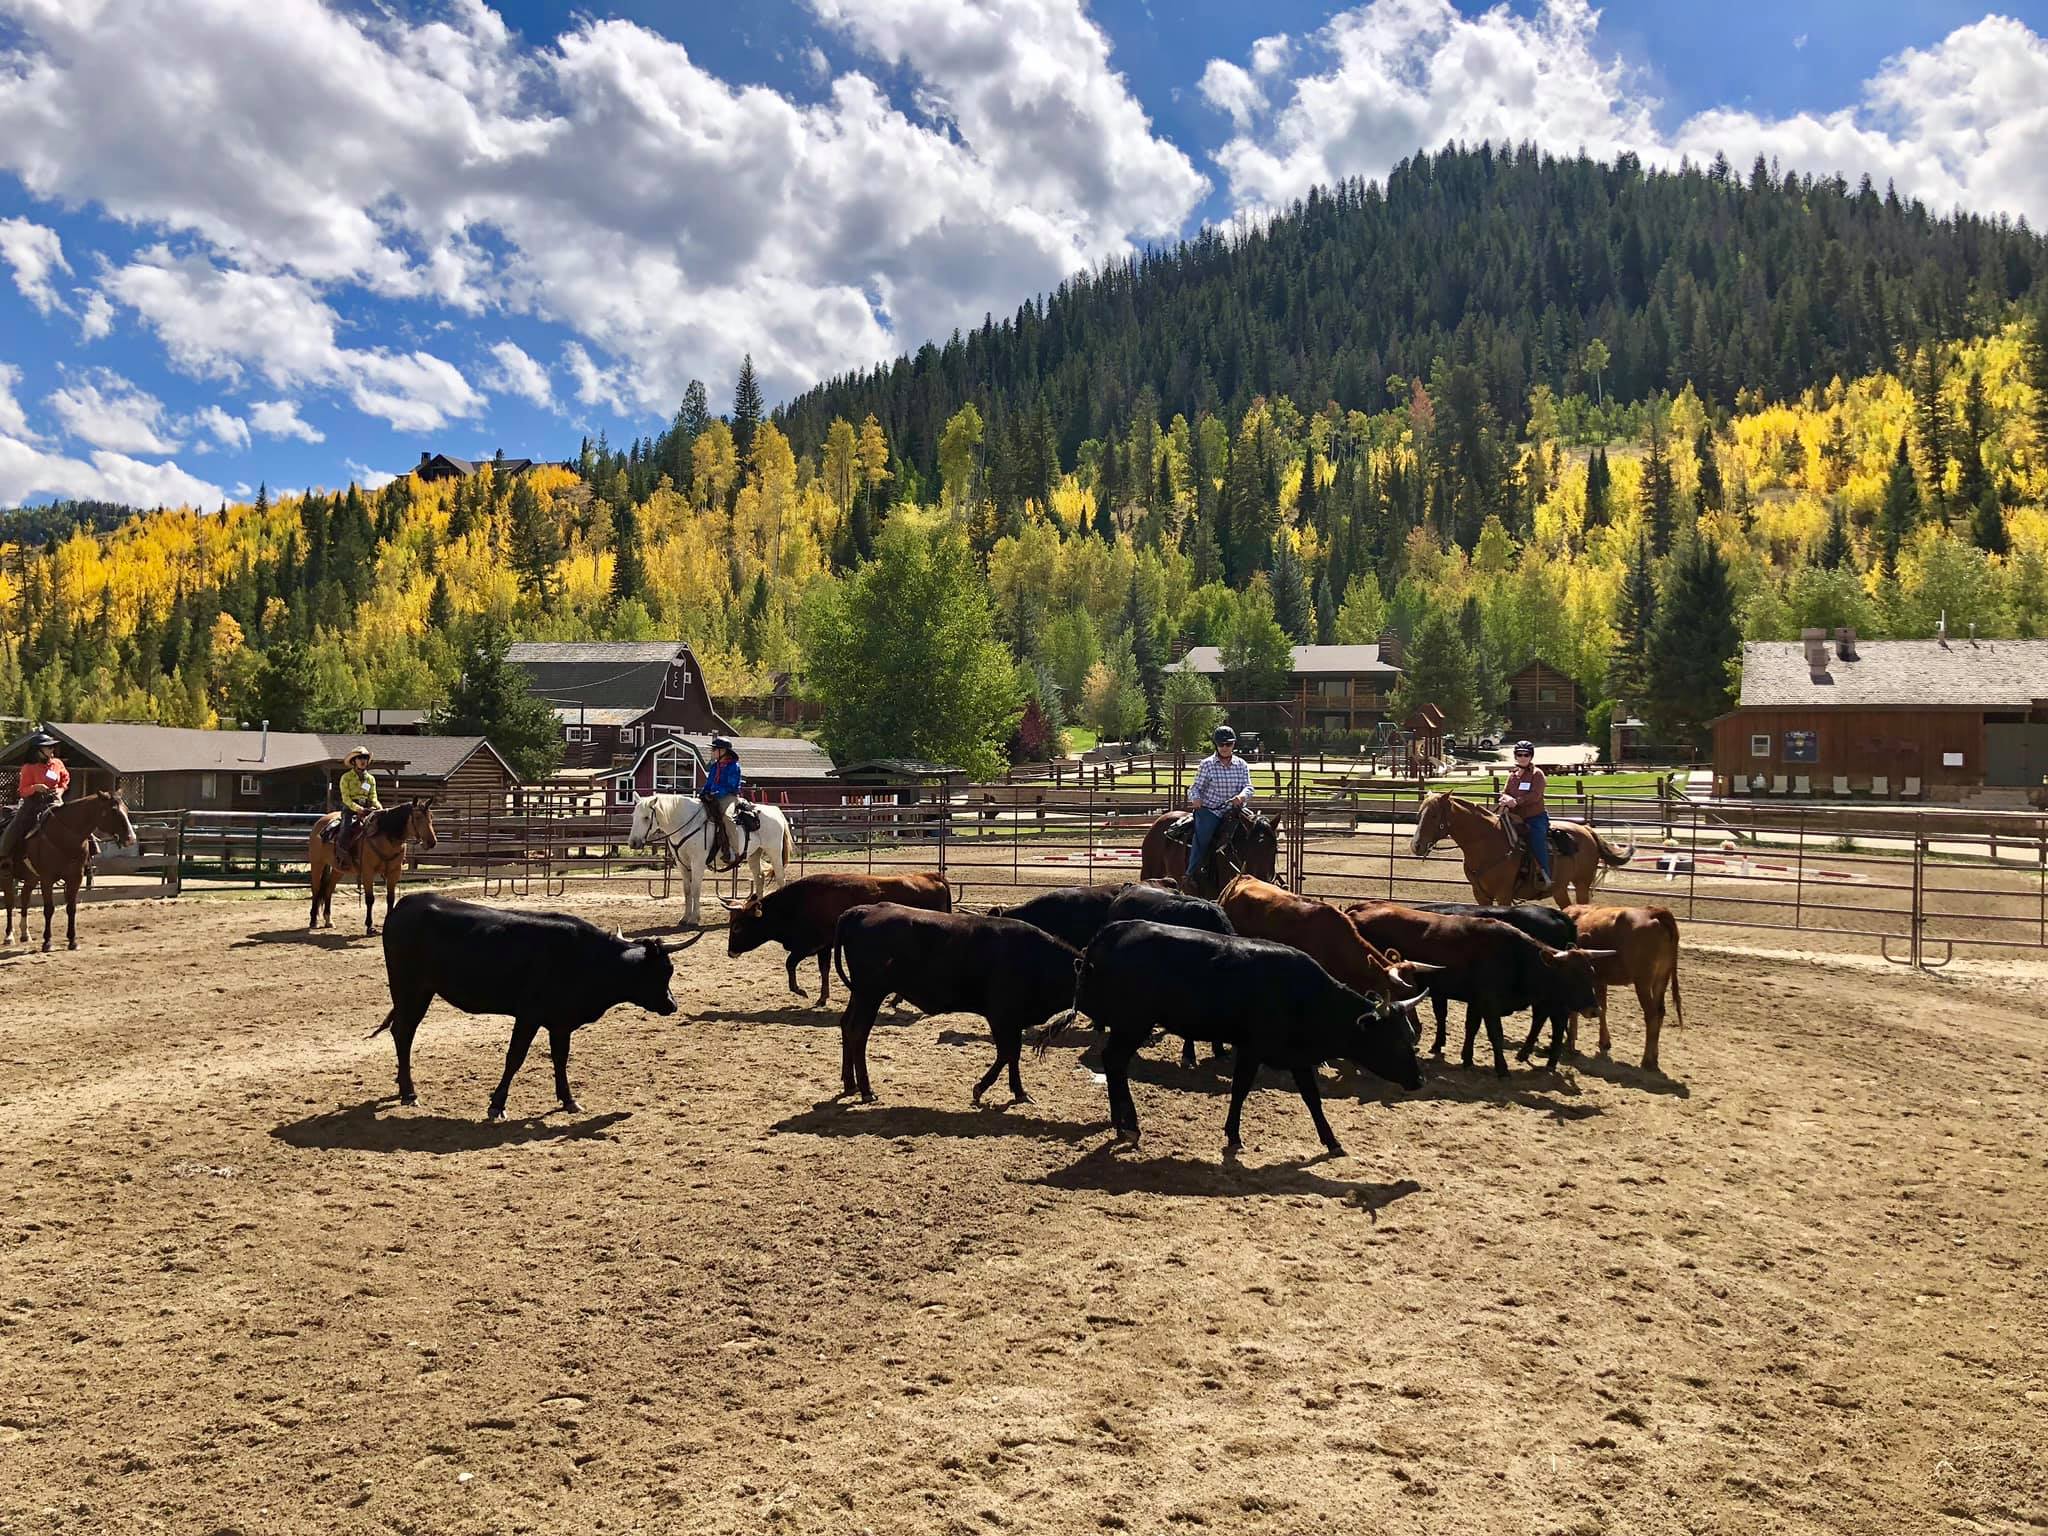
1059,1025
1677,1003
838,961
389,1019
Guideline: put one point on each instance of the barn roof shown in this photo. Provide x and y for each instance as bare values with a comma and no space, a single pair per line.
1208,659
582,714
600,674
1981,674
763,759
137,748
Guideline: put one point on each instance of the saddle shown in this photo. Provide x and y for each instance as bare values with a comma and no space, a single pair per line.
745,816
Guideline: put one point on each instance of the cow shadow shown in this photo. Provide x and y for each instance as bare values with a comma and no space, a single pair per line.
323,938
361,1128
841,1117
1554,1094
1108,1170
1620,1073
808,1016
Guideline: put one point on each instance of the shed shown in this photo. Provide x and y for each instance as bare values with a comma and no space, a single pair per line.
394,722
778,770
1543,703
897,780
462,773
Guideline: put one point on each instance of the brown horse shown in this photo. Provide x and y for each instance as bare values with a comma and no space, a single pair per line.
59,850
1244,845
380,855
1499,874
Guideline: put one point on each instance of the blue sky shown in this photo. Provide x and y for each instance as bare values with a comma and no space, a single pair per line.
300,242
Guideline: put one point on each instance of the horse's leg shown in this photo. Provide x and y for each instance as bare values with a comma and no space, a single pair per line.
49,909
369,895
7,885
71,906
313,910
693,885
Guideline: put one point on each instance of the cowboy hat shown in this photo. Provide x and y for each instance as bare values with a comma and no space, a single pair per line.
356,752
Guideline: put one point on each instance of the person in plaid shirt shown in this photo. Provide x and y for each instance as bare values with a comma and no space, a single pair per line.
1222,783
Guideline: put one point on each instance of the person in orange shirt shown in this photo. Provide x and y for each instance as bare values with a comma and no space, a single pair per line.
44,778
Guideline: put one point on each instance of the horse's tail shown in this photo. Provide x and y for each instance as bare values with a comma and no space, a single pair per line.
1611,856
389,1019
788,846
1059,1025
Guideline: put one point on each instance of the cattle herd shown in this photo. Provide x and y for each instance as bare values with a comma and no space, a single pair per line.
1265,977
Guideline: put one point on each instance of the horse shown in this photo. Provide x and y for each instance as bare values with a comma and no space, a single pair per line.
380,853
1499,874
59,849
682,822
1244,845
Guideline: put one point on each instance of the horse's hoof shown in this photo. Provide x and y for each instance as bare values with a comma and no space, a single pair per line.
572,1107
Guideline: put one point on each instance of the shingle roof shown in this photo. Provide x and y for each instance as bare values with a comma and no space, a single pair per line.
1307,659
432,757
584,714
763,759
126,748
597,673
618,652
1987,674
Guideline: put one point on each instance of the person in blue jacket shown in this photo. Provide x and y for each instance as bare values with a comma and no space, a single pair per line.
721,792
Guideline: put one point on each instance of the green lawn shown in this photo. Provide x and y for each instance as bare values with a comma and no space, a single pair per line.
1080,739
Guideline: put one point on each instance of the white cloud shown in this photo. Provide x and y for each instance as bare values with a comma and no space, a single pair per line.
104,409
28,469
1229,88
370,479
228,430
97,318
1799,41
594,385
213,321
1272,54
819,66
1962,123
280,418
602,181
518,374
36,254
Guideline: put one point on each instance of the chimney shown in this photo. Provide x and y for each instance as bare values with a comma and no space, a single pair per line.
1941,630
1816,651
1390,648
1845,645
424,456
263,755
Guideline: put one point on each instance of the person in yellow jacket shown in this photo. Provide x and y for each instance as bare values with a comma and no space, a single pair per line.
358,799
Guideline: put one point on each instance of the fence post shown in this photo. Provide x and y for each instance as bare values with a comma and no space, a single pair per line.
258,881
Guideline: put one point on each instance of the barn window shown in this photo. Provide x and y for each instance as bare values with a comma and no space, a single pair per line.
678,681
629,736
622,790
206,786
1546,696
1760,745
674,769
251,785
577,732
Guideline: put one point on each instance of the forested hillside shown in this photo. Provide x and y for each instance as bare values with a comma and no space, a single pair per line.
1506,407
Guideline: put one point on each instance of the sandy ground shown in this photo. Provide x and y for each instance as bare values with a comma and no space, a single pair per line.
1796,1287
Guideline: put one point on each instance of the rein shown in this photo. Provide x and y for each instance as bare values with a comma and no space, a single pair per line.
674,840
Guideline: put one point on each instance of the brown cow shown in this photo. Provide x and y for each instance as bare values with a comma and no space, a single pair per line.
1641,945
1258,910
803,915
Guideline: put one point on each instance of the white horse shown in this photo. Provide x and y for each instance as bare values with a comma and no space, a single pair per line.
682,822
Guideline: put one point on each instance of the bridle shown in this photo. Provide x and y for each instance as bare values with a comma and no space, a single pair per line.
674,839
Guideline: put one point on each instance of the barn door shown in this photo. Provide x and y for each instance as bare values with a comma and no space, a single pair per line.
2015,756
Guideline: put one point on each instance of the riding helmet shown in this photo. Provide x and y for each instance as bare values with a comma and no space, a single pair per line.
1525,746
1222,734
44,740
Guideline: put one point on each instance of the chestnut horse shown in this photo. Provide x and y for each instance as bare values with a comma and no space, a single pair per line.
1498,873
1244,845
59,850
380,855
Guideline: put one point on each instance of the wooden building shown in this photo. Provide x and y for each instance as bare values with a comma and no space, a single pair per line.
394,722
1335,690
1941,720
1543,704
778,770
442,466
171,768
615,699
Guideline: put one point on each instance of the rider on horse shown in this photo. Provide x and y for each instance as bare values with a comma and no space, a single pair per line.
1222,784
721,792
358,799
1523,799
44,778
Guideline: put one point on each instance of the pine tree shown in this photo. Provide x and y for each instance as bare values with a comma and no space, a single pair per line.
491,699
2037,375
440,607
1143,623
1597,481
695,413
1694,639
629,573
746,410
1635,621
1659,494
1901,512
1974,481
1835,457
1987,526
1710,489
1439,672
1835,550
1929,424
536,545
1290,592
1326,611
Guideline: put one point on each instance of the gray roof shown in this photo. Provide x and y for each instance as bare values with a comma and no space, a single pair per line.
580,714
124,748
375,717
763,759
899,767
597,673
1308,659
1986,674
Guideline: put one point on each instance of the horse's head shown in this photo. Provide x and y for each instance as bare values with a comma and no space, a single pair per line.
643,822
1429,823
113,819
419,823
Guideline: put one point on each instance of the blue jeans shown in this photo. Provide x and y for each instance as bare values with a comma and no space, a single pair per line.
1206,823
1537,829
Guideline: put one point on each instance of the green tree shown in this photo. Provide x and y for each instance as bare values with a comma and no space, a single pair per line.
490,698
440,608
1597,359
1974,481
1290,592
1659,494
1900,514
1439,672
904,656
629,574
1835,550
1711,492
1694,640
536,545
1363,614
1257,659
1188,710
746,409
1987,527
960,457
1635,622
284,687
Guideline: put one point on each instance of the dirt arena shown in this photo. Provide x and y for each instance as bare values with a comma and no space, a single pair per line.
1797,1286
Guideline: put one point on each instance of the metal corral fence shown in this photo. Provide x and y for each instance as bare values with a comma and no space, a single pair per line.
1919,881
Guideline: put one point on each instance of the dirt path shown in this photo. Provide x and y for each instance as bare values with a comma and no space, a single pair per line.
1799,1289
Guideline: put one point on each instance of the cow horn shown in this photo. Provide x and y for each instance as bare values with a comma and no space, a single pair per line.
1411,970
731,903
1599,954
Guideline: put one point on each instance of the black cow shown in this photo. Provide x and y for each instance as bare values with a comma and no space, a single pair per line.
1495,969
1272,1004
1077,913
548,970
1543,923
1011,973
